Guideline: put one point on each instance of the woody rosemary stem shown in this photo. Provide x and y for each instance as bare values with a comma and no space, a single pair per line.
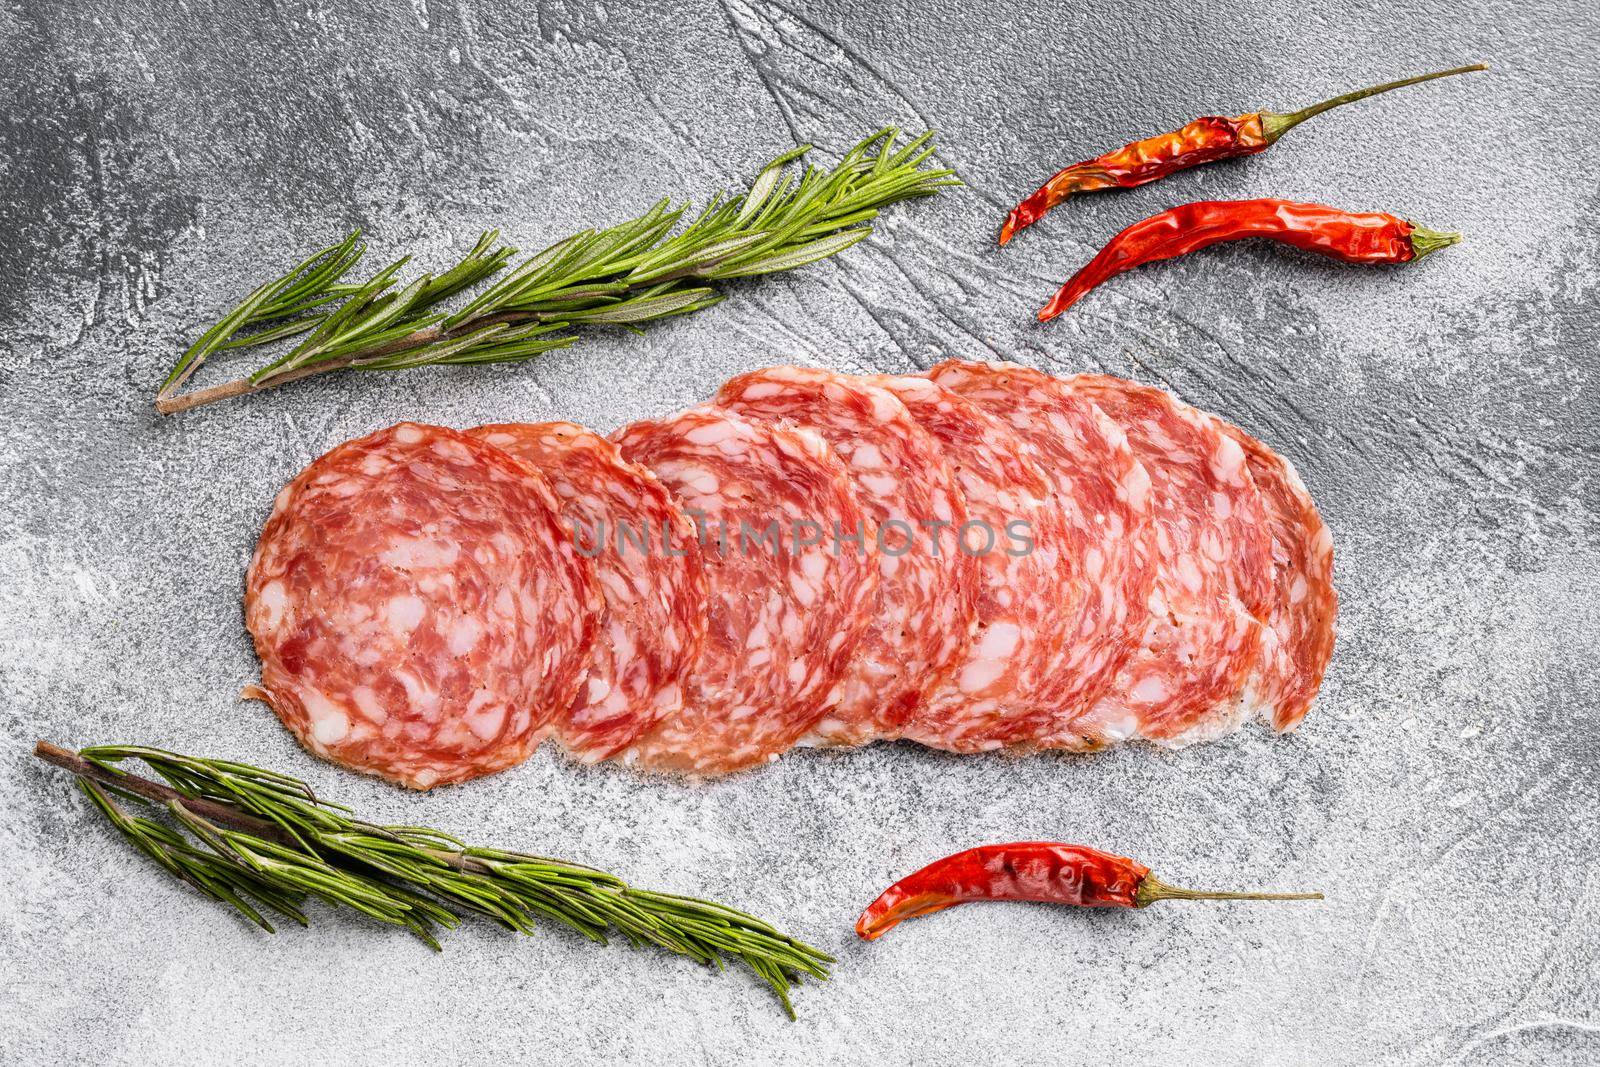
222,814
69,760
174,403
171,405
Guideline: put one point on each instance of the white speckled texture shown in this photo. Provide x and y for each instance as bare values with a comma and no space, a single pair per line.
156,159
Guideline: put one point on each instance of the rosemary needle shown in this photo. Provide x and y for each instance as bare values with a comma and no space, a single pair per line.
639,271
265,844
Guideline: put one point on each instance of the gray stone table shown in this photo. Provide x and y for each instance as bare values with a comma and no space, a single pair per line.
157,159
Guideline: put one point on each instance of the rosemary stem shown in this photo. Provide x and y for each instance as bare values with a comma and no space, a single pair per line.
171,405
225,814
214,811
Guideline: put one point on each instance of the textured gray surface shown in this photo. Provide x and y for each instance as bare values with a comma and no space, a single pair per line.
156,159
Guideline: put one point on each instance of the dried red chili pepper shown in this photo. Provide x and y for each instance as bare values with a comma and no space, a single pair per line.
1032,870
1205,140
1355,237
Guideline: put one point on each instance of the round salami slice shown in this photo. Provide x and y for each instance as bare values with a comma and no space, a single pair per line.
618,517
1213,573
791,579
1002,674
419,612
927,589
1298,642
1106,563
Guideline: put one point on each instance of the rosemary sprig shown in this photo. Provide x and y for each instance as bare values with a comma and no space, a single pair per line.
636,272
263,842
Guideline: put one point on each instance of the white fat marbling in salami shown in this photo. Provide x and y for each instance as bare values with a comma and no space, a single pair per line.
1213,573
791,578
419,611
1298,642
1002,675
1105,565
619,516
927,589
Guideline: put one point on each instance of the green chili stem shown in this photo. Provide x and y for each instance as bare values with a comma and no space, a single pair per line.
1276,125
1424,241
1152,889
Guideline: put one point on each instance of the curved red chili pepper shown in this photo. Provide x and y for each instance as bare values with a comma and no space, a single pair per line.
1205,140
1355,237
1046,871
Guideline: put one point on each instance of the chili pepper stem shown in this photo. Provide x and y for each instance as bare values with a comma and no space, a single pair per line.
1152,889
1424,241
1276,125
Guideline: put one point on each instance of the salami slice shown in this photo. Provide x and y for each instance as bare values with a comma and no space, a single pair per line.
419,612
1002,673
617,515
791,579
927,589
1106,562
1213,573
1298,642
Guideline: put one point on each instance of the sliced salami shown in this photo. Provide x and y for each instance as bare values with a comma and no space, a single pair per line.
419,612
1001,676
1106,564
927,589
1213,573
1298,642
618,515
791,580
